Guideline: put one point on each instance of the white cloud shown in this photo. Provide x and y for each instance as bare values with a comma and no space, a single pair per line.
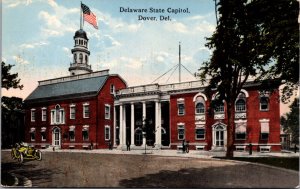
20,60
3,59
177,27
15,3
59,22
33,45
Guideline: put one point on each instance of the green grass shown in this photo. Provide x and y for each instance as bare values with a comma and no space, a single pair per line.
7,179
283,162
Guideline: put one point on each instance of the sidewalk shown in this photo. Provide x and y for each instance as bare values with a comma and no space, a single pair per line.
176,153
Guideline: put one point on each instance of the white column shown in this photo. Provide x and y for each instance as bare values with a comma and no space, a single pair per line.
121,126
158,124
124,126
115,125
144,118
132,124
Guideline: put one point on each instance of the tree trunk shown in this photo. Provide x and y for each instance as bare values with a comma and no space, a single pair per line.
230,129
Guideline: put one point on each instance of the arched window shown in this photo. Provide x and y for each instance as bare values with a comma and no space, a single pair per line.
75,58
200,108
80,58
219,108
264,103
240,105
86,58
199,105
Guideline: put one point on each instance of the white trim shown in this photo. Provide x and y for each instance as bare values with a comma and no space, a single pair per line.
105,113
198,127
180,126
44,109
33,110
84,105
245,92
107,139
71,107
199,94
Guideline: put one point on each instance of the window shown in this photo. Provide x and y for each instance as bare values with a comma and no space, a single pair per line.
58,115
32,134
32,115
264,129
180,106
44,114
219,108
107,111
86,58
264,136
112,89
240,136
43,134
75,58
80,58
200,108
85,134
72,111
72,135
240,129
200,133
180,129
86,110
264,104
107,132
240,105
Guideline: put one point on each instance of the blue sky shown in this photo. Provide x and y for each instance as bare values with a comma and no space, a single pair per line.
37,37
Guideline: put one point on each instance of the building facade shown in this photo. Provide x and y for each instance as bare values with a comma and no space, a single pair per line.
97,108
181,111
74,111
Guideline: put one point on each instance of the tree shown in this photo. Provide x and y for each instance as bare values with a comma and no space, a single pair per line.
242,48
12,115
9,80
290,121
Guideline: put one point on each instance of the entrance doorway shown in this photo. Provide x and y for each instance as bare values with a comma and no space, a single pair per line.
56,137
219,136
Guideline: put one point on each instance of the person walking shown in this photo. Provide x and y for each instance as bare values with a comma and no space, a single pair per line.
183,146
128,145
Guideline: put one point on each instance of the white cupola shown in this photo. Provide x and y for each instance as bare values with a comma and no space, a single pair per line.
81,54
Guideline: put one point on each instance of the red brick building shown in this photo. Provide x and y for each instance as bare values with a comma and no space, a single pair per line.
74,111
98,108
181,111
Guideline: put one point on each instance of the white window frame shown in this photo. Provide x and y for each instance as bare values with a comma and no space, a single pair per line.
44,114
196,138
180,126
180,102
105,132
32,114
72,139
240,108
61,116
85,128
268,104
42,138
107,112
32,131
84,107
72,106
112,89
196,109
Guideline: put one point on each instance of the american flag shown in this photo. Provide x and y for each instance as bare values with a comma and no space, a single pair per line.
89,16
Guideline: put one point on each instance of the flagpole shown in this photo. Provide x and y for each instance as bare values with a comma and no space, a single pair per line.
80,16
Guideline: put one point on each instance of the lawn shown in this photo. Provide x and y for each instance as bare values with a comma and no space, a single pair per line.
284,162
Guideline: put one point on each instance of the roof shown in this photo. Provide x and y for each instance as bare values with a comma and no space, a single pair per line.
81,33
69,89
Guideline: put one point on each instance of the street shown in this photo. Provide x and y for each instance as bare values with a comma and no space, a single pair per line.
69,169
